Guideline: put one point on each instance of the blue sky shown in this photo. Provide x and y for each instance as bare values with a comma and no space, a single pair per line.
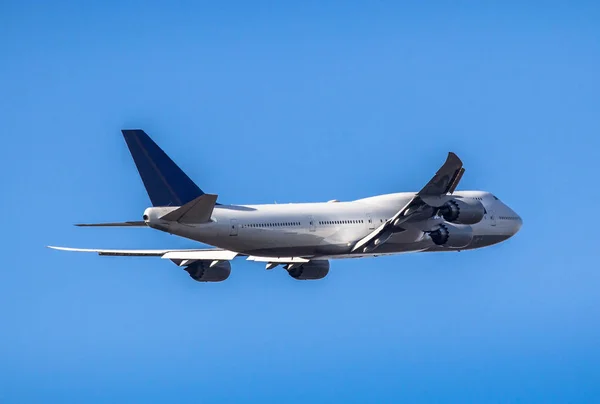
299,102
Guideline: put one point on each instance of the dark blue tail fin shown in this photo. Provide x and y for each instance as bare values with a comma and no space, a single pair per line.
166,184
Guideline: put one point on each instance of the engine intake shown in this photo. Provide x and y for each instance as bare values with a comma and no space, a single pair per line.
310,270
452,235
201,271
463,211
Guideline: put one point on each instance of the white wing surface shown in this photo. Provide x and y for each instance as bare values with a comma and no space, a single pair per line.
195,254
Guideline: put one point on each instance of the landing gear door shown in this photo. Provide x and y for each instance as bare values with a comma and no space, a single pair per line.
233,228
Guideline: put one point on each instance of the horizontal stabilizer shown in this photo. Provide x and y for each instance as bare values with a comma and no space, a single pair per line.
198,210
114,224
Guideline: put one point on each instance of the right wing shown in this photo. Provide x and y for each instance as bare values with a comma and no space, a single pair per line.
208,254
187,257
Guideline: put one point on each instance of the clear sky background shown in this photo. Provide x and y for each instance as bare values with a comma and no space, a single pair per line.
299,102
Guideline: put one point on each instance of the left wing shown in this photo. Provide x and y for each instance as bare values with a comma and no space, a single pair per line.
445,179
434,194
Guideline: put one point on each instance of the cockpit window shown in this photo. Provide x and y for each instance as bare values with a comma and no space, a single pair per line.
495,197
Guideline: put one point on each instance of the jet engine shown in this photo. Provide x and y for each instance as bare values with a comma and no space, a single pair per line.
452,235
310,270
463,211
202,271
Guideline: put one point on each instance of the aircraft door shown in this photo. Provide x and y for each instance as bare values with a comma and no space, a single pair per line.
233,228
492,216
311,224
370,222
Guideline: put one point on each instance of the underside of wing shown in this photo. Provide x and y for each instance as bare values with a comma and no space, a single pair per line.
446,178
195,254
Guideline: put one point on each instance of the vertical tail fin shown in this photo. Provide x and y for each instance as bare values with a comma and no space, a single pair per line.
165,182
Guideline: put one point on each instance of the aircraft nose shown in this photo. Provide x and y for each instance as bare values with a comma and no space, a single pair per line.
519,224
514,222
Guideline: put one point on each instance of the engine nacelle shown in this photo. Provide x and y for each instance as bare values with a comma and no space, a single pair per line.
452,235
201,271
310,270
463,211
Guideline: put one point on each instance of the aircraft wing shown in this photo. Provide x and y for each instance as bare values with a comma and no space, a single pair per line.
445,179
434,194
208,254
187,257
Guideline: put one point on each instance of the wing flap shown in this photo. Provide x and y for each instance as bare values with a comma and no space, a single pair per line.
201,255
280,260
397,219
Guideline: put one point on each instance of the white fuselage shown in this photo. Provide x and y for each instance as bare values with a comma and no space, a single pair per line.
329,229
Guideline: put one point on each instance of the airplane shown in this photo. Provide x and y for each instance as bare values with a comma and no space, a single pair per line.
304,237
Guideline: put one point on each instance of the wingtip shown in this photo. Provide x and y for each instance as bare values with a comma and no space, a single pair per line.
69,249
454,157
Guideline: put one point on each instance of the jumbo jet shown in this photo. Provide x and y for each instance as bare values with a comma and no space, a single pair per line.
304,237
